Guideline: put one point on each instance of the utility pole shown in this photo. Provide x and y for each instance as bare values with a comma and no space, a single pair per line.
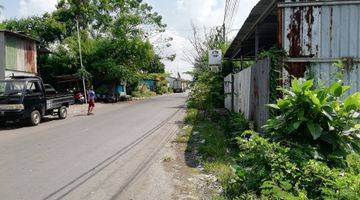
81,63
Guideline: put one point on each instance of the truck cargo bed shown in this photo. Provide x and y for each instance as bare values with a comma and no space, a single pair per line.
57,100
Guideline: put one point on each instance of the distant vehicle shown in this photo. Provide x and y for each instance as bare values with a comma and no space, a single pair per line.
27,99
107,98
79,97
179,86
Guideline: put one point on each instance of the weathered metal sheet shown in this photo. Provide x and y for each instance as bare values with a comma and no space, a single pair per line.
20,54
251,92
10,53
260,92
326,32
228,92
2,55
242,92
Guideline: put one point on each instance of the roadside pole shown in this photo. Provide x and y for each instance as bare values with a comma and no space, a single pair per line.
81,63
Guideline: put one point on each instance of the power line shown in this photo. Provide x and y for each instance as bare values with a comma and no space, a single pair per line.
234,13
230,10
226,10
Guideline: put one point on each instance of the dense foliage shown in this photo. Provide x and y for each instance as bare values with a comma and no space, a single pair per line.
276,57
310,151
271,170
207,92
115,39
317,117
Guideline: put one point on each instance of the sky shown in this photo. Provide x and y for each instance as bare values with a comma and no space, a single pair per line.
177,14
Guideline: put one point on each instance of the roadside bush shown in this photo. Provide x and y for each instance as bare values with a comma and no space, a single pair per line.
310,150
271,170
191,116
162,90
234,124
207,92
143,91
317,117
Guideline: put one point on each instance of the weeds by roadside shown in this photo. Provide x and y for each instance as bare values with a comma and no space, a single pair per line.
306,154
208,138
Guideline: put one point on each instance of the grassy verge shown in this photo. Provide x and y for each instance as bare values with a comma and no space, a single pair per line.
207,138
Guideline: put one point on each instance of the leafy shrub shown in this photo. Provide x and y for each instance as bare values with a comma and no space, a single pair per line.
143,91
192,116
271,170
162,90
234,124
207,92
317,117
310,150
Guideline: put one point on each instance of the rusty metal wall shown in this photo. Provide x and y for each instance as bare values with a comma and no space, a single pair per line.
20,54
316,36
251,92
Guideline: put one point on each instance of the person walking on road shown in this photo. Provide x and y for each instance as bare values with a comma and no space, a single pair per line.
91,100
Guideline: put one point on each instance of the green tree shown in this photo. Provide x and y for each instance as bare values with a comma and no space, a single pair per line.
114,39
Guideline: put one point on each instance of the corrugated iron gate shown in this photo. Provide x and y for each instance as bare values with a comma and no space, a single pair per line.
251,92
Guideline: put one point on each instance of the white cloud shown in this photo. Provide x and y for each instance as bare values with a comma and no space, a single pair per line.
204,14
35,7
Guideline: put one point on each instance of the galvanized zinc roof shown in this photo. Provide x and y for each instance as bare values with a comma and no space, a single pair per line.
20,35
263,17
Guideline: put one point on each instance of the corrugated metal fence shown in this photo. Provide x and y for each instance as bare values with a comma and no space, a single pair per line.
251,92
317,34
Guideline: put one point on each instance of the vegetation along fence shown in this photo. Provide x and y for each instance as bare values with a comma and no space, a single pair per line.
248,92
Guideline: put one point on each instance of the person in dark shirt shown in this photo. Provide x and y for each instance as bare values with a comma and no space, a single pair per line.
91,100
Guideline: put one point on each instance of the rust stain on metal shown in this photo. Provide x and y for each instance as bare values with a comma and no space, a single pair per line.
30,57
280,27
331,29
296,69
309,17
294,33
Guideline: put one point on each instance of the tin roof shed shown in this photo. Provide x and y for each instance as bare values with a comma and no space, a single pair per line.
17,54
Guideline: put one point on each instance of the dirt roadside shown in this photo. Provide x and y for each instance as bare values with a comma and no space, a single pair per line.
188,176
173,174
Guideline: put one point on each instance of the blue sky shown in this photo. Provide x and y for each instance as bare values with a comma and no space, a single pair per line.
177,14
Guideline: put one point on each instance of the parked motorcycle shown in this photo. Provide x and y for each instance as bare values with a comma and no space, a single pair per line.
79,97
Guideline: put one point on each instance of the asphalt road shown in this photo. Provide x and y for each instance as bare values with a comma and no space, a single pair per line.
86,157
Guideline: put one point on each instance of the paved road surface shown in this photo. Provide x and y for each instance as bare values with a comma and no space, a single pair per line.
87,157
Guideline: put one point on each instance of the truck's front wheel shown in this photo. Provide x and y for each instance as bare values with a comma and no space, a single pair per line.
62,112
35,118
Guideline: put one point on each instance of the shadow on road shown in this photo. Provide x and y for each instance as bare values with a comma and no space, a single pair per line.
81,115
178,107
18,125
